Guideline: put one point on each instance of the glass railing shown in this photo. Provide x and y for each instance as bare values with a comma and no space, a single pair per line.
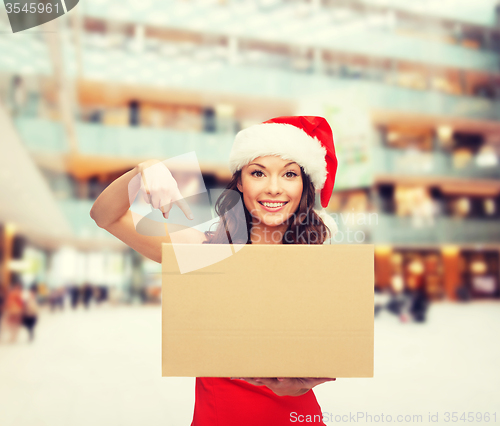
480,12
426,102
46,136
41,135
143,142
435,163
443,230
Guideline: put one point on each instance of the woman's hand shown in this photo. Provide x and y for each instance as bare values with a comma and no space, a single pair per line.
112,209
159,188
287,386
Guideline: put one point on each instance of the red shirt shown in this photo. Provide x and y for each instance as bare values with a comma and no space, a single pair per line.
226,402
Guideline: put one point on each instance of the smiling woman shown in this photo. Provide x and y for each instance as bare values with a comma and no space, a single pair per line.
277,167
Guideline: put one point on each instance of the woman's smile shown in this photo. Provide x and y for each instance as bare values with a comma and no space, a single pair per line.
272,206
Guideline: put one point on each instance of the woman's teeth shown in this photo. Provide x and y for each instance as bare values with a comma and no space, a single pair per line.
273,204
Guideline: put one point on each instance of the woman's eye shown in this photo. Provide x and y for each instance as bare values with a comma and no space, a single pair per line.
257,173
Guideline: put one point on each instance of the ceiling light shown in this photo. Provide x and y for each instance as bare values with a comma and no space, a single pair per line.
445,133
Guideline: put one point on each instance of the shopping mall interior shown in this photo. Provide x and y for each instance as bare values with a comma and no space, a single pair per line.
411,90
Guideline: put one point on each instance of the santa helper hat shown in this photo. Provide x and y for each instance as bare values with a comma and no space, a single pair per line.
308,140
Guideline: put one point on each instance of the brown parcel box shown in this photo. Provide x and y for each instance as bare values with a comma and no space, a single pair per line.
269,311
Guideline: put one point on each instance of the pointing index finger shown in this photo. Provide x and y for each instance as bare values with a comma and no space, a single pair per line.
181,203
146,188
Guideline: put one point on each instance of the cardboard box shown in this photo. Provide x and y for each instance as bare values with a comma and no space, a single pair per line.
268,311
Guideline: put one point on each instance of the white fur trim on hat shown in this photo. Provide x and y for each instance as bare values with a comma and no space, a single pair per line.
329,221
285,140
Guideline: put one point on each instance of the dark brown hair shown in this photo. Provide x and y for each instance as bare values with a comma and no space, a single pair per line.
304,226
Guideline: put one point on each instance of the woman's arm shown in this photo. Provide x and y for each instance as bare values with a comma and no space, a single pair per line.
115,200
111,212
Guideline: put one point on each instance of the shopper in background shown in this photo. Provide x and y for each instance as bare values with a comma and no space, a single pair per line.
2,303
14,306
87,295
419,304
56,299
381,300
30,311
74,294
18,95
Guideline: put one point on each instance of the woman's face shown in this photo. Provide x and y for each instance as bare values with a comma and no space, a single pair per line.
272,188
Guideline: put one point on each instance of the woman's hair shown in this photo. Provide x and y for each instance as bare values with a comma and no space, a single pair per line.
304,226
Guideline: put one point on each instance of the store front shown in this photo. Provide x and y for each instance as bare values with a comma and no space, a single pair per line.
420,270
402,269
480,274
444,273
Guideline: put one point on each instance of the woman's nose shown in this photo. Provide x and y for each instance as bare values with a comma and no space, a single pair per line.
274,186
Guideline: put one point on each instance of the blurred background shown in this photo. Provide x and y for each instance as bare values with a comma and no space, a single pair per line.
412,92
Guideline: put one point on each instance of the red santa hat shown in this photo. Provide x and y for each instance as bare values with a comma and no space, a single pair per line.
307,140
